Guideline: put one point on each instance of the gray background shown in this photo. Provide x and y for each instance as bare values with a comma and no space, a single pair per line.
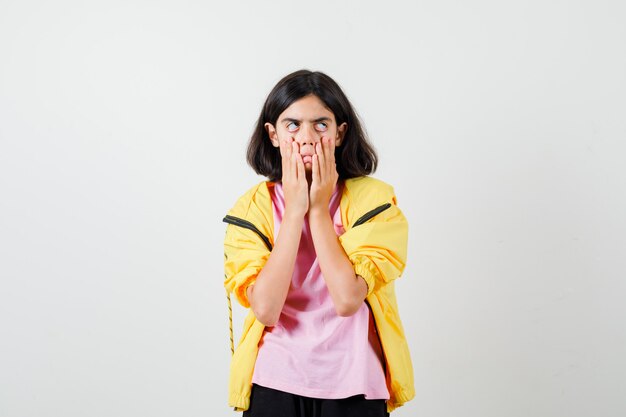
123,126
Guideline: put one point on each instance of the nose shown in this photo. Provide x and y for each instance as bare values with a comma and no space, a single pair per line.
307,135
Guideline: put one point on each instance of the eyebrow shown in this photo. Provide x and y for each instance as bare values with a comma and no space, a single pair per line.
319,119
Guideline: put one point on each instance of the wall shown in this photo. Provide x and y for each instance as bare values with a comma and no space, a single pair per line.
123,127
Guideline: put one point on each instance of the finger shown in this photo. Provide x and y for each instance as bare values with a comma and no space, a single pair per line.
283,157
331,155
331,167
295,152
300,167
319,151
326,146
286,159
315,177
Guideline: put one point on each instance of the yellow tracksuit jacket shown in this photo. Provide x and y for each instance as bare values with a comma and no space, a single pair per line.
375,241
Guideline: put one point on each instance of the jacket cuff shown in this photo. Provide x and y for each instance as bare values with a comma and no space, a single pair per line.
239,402
366,269
241,291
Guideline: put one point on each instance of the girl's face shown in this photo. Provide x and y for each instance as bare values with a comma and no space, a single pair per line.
306,121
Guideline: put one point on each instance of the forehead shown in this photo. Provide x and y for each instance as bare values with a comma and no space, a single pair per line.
307,108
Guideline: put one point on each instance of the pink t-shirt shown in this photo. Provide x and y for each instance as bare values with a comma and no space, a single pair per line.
312,351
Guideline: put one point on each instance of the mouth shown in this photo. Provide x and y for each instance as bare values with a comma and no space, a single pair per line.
307,159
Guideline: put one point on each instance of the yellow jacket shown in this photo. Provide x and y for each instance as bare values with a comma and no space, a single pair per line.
375,241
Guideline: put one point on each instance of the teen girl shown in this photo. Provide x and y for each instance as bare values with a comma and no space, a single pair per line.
314,252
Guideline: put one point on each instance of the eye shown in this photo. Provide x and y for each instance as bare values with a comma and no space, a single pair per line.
292,126
321,126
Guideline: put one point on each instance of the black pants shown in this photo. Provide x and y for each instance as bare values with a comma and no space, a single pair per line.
268,402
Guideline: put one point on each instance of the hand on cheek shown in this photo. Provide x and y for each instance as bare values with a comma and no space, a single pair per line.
295,186
324,176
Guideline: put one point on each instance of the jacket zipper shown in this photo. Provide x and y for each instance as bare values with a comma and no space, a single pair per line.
246,224
371,214
380,343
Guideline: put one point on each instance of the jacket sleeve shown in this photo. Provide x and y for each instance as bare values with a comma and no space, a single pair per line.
378,248
245,254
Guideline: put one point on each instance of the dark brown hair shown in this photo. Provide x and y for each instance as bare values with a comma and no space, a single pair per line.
355,156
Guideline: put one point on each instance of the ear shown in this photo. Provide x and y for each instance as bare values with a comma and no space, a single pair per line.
271,132
341,132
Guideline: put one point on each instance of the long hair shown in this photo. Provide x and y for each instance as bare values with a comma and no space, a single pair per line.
355,156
